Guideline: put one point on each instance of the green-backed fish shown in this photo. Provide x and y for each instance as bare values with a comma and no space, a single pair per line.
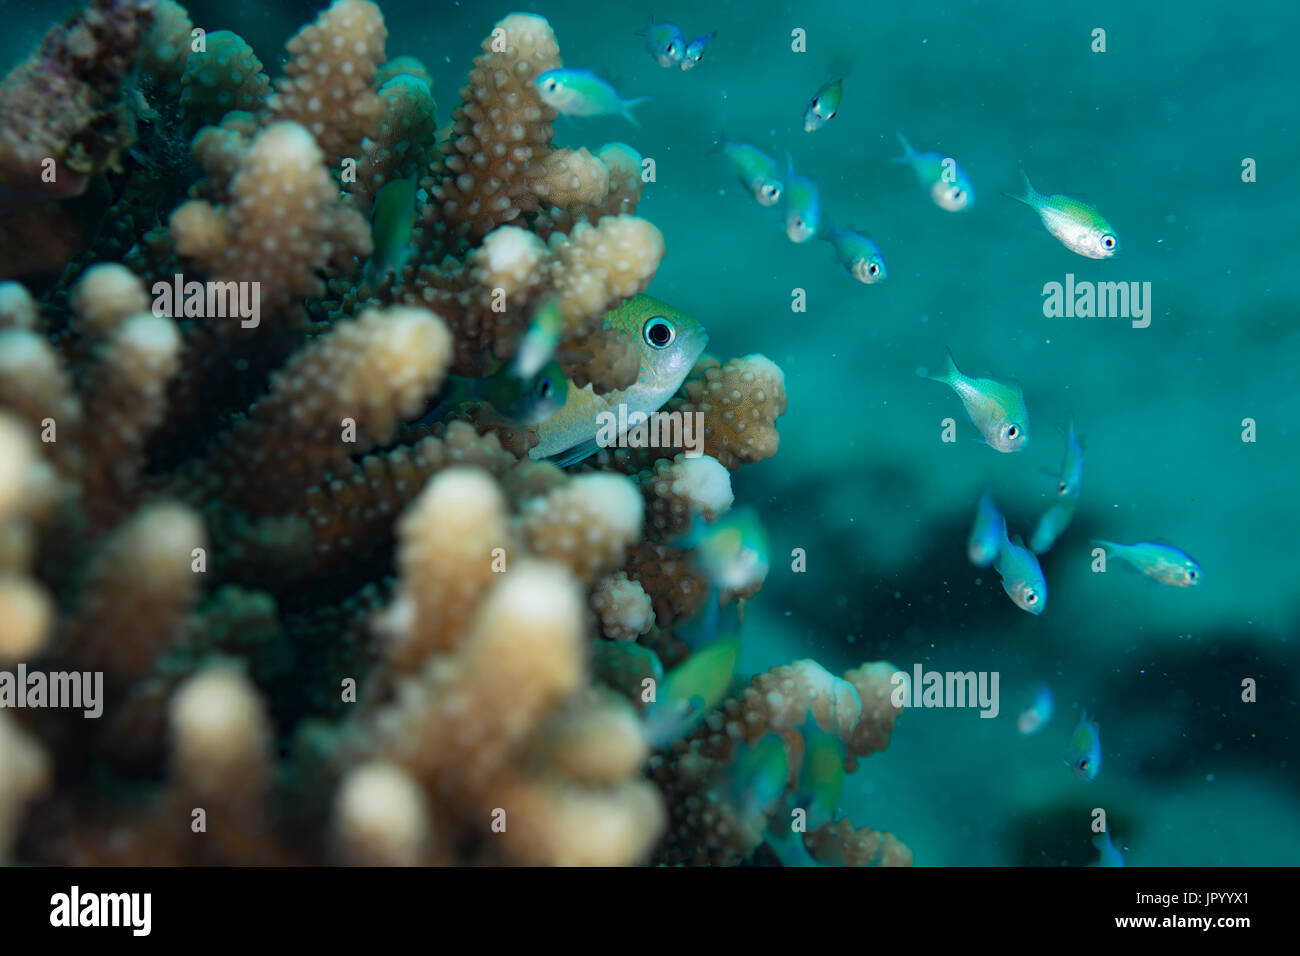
1078,226
1070,481
756,171
803,205
1163,562
987,533
390,227
1022,576
690,690
583,93
823,106
821,775
949,186
756,778
996,408
1084,758
857,253
669,342
665,41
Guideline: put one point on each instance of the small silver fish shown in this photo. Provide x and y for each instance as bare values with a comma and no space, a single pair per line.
823,107
997,409
756,170
1052,524
1078,226
949,186
1163,562
1084,758
857,253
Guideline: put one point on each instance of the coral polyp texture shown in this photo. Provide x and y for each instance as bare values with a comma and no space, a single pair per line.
338,616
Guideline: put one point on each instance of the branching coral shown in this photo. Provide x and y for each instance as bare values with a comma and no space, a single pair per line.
330,627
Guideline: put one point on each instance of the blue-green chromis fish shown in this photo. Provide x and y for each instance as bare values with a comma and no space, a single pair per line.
1109,855
987,533
669,342
824,105
1078,226
756,171
996,409
690,690
732,551
1085,749
1052,524
695,50
665,41
582,93
1163,562
803,206
540,341
950,188
390,227
1022,577
857,253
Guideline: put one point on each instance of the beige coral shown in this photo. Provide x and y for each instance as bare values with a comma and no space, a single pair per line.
623,609
741,402
328,82
585,524
284,221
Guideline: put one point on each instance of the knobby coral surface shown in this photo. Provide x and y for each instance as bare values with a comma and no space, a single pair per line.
331,628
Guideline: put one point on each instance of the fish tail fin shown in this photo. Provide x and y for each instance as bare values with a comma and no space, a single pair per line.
1028,194
950,371
627,109
908,151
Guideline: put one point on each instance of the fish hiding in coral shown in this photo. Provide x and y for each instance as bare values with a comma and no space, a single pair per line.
996,408
1078,226
1022,576
391,227
1084,757
987,533
691,689
803,207
666,43
668,341
823,106
582,93
695,50
949,186
1158,560
756,171
527,400
733,551
540,341
857,253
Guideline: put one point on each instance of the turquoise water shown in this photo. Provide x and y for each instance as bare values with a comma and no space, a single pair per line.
1154,132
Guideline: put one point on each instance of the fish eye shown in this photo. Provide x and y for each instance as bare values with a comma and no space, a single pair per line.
1108,242
1061,486
544,389
873,269
1191,575
552,83
1031,597
659,332
770,192
1013,432
1083,764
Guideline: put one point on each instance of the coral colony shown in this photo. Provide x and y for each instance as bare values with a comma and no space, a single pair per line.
333,627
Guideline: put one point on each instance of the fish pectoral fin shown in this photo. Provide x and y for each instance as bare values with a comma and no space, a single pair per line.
571,456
